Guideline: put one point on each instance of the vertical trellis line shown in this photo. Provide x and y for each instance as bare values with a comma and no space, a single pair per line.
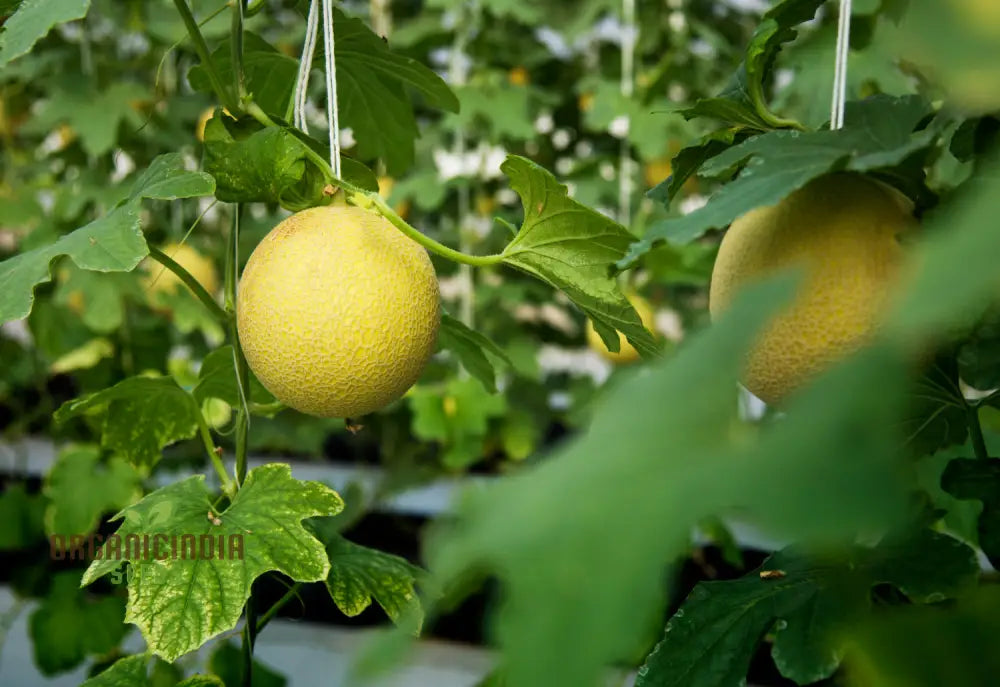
305,67
840,68
332,110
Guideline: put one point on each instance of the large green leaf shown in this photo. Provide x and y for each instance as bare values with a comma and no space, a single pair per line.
113,243
471,348
32,21
978,480
217,379
359,574
573,248
259,532
663,452
979,355
957,279
371,81
94,114
929,646
71,624
270,74
813,600
879,134
253,163
936,416
21,517
141,415
80,490
129,671
742,102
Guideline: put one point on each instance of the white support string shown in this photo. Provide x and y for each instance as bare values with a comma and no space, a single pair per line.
840,69
332,110
305,67
330,68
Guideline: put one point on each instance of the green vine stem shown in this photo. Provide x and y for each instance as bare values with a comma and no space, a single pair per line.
268,615
976,431
760,106
427,242
201,47
240,361
204,296
228,488
365,199
236,44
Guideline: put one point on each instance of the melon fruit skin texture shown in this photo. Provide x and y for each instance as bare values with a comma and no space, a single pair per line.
626,353
338,311
844,230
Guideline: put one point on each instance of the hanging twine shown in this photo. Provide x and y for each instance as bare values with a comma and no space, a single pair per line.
330,69
840,69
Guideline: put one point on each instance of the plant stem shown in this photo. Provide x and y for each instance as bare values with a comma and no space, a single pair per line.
236,43
201,47
254,110
426,241
216,460
976,431
292,592
249,637
240,361
760,106
204,296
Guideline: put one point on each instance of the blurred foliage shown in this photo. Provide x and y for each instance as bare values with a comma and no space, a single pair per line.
100,105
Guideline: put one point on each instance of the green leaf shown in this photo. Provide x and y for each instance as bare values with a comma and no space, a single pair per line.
879,134
471,348
21,517
113,243
217,379
101,296
370,88
710,641
167,178
687,163
93,113
742,102
125,672
979,355
80,490
227,663
71,625
360,52
252,163
957,42
960,240
873,69
142,415
503,110
260,531
359,574
979,480
270,75
929,646
658,453
32,21
206,681
573,248
936,415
